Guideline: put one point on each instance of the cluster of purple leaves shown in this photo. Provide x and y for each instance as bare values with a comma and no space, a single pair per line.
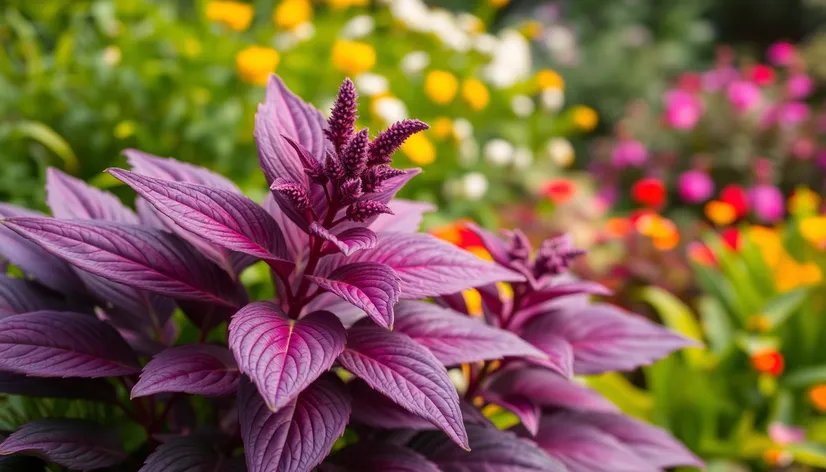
348,265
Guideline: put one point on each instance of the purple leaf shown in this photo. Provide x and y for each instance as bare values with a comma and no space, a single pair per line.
23,296
347,241
197,369
408,374
546,389
283,356
605,338
406,218
297,437
427,266
72,443
585,448
150,217
284,113
371,286
492,450
63,344
527,411
73,198
204,315
35,262
87,389
221,217
167,168
559,353
296,239
186,454
455,338
494,244
143,258
561,290
651,443
382,457
371,408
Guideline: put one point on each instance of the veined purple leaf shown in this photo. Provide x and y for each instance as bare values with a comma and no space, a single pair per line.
298,436
559,353
87,389
149,216
382,457
280,355
197,369
426,266
297,240
221,217
347,241
493,243
652,444
143,258
63,344
72,443
374,409
585,448
605,338
492,450
527,411
406,218
186,454
407,373
455,338
371,286
284,113
167,168
23,296
73,198
35,262
344,310
546,389
564,289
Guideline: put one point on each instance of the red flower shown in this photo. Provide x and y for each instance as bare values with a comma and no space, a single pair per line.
731,238
762,75
559,191
735,196
768,361
649,191
691,82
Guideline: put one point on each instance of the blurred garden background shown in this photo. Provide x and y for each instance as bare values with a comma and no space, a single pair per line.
682,143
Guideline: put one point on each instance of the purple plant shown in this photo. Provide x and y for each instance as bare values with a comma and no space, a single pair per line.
344,344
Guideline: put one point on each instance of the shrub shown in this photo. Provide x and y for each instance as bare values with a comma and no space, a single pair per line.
343,349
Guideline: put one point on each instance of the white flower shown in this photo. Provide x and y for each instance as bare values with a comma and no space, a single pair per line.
414,62
560,39
469,23
390,109
522,158
522,105
468,152
457,377
474,185
560,152
485,43
358,27
371,84
304,31
444,25
511,60
285,40
498,152
552,99
413,13
462,129
111,56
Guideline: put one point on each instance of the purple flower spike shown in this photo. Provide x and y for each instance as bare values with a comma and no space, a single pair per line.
391,139
354,155
343,116
556,254
361,211
294,193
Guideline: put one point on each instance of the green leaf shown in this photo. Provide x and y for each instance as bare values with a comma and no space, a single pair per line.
677,316
48,137
629,398
809,454
716,323
779,308
805,376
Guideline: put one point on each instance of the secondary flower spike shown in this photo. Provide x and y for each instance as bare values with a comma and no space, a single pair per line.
342,119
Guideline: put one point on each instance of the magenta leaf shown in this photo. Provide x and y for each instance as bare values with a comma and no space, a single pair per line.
406,218
407,373
585,448
559,353
382,457
63,344
297,437
73,198
527,411
186,454
283,356
197,369
564,289
167,168
298,242
371,408
86,389
491,450
605,338
427,266
33,260
370,286
493,244
455,338
23,296
347,241
221,217
72,443
143,258
546,389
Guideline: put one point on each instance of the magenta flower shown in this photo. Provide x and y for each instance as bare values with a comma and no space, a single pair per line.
799,86
682,109
781,53
629,153
744,95
717,79
784,434
793,113
695,186
767,203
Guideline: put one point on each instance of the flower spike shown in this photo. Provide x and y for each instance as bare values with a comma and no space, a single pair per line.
391,139
295,193
343,116
366,209
354,155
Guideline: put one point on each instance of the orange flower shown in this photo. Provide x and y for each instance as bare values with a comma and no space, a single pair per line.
701,254
768,361
777,457
560,191
817,395
458,234
617,227
662,231
720,213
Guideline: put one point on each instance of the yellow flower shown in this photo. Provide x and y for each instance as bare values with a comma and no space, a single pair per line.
475,94
803,201
548,79
441,86
342,4
720,213
532,29
662,231
768,242
498,3
790,274
813,229
419,149
759,323
255,64
353,57
442,127
125,129
473,301
292,13
585,118
235,15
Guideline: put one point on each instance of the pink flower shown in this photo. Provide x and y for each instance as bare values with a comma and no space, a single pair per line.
682,109
629,153
793,113
799,86
695,186
803,148
784,434
744,95
762,75
781,53
768,117
717,79
767,203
